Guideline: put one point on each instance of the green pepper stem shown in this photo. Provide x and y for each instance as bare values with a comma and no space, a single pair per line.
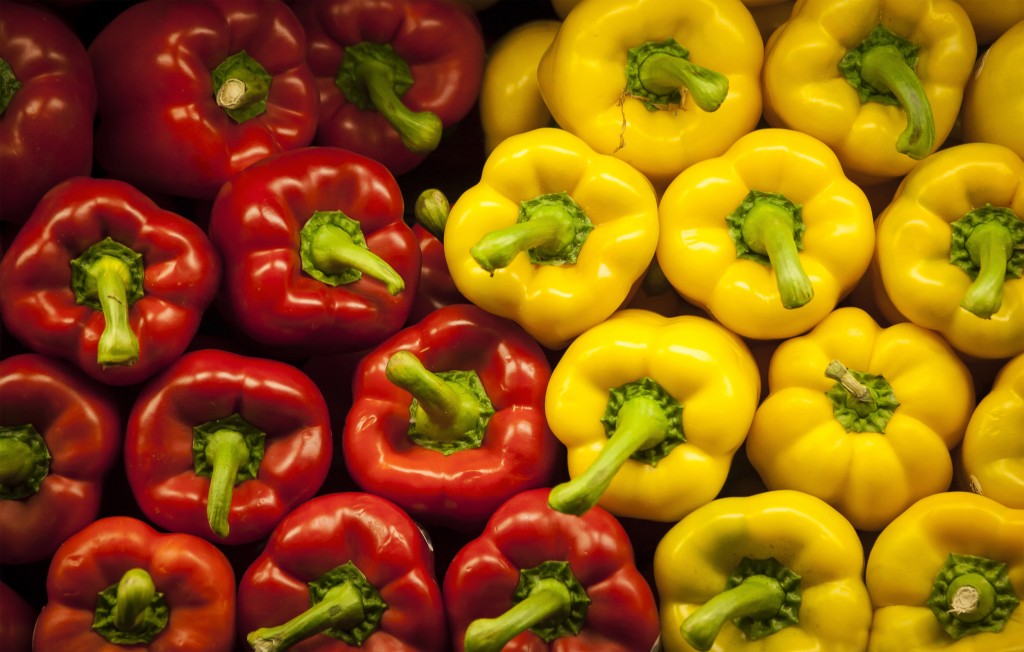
17,462
118,344
550,599
135,592
226,452
757,596
662,73
342,607
838,372
641,424
420,131
990,246
446,412
431,211
769,230
885,68
9,85
333,251
550,228
971,597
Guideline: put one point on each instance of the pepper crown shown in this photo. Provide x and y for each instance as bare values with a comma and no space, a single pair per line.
24,461
658,73
132,611
228,451
988,244
241,87
861,402
971,595
9,85
431,212
333,250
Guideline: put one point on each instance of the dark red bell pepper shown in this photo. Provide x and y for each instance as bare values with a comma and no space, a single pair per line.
222,445
47,106
536,579
119,584
60,434
437,288
317,255
344,571
17,619
447,417
101,276
392,74
192,92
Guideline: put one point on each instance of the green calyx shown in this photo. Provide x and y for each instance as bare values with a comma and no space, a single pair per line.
971,595
24,461
988,244
131,612
550,228
109,276
228,451
861,402
9,85
241,86
374,78
882,69
658,73
431,212
333,250
768,228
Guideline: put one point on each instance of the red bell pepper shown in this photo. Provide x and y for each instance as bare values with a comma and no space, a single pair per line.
60,434
317,255
536,579
119,584
437,289
17,619
190,93
101,276
222,445
392,74
47,106
447,417
344,571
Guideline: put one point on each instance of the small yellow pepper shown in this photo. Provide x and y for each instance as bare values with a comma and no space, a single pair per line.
651,410
773,572
993,110
947,575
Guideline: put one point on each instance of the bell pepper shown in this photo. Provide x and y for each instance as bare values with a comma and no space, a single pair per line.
47,106
102,276
948,574
536,579
120,584
436,286
192,93
992,451
991,20
659,84
447,417
554,236
17,620
776,571
391,75
994,97
861,416
950,249
222,445
651,410
343,571
880,81
317,255
768,237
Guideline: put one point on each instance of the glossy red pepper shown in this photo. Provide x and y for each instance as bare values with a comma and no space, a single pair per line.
343,571
17,619
437,288
47,106
222,445
392,74
190,93
447,417
119,584
101,276
317,255
536,579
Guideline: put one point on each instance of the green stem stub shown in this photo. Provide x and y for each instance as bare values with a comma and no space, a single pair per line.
227,451
373,605
569,623
971,595
671,408
861,401
333,250
9,85
431,212
132,611
241,86
24,461
988,244
657,74
253,438
759,626
851,64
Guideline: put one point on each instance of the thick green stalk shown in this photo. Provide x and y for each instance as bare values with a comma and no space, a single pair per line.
431,211
118,344
661,73
990,246
333,251
549,229
885,67
226,452
550,599
769,230
446,410
342,607
757,596
135,593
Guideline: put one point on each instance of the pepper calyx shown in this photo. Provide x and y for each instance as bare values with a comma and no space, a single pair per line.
131,611
861,401
972,594
372,604
431,212
333,250
9,85
241,86
228,451
988,244
569,623
24,461
658,72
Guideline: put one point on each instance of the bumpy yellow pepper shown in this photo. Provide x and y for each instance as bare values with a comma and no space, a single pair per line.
554,236
651,410
861,416
768,237
993,110
879,81
660,84
950,249
948,575
774,572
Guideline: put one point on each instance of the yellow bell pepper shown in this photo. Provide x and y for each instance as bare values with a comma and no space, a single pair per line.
992,19
773,572
861,416
510,100
993,109
950,249
948,575
660,84
767,237
651,410
554,236
992,453
879,81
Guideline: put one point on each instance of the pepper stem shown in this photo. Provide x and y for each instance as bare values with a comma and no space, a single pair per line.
135,593
550,229
118,344
990,246
837,371
769,229
333,251
445,410
971,597
549,599
885,67
9,85
431,211
226,452
342,607
17,462
662,73
757,596
242,86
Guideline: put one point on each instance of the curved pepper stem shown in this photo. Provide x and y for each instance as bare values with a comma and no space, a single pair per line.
990,246
661,73
757,596
9,85
135,592
333,250
226,452
132,611
446,409
24,461
431,212
341,607
771,229
550,599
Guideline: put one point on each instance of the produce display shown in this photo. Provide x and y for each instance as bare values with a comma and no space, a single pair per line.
511,325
